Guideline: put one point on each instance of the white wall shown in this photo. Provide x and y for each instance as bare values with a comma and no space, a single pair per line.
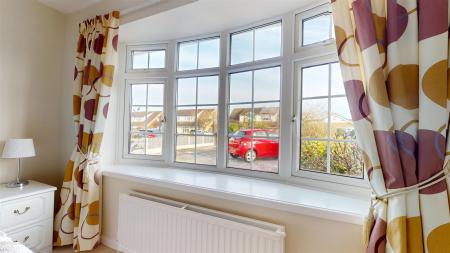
305,234
31,50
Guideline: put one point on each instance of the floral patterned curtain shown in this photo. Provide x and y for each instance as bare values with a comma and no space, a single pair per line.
77,218
394,60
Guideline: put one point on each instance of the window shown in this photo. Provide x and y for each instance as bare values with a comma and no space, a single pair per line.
327,135
155,59
259,43
196,120
257,102
198,54
254,119
317,29
146,119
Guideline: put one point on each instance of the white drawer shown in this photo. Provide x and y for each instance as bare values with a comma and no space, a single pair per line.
37,237
25,210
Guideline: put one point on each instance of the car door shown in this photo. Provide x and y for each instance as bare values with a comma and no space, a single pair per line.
260,143
273,144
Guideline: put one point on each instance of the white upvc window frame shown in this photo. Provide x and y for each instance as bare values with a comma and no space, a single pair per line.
146,47
291,58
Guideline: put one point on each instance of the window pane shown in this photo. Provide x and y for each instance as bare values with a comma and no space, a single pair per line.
138,92
140,59
346,159
208,53
186,94
138,118
206,150
158,59
341,120
239,118
337,85
267,118
185,150
241,87
154,123
137,143
316,29
208,90
261,154
187,55
268,41
267,84
154,144
315,81
241,47
207,120
186,120
155,94
314,118
313,155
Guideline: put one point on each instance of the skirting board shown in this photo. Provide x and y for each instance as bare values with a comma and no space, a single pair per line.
109,242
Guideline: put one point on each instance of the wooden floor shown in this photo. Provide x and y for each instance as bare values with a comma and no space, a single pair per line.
68,249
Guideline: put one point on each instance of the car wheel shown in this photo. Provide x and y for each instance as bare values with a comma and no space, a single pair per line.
250,155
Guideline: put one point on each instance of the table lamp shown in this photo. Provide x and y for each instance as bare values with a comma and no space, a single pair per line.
18,148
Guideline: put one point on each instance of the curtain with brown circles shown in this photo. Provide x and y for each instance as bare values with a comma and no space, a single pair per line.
77,220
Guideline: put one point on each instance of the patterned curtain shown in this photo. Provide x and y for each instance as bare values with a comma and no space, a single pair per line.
77,218
394,60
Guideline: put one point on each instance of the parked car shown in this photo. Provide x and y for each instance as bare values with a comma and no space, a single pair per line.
150,133
265,144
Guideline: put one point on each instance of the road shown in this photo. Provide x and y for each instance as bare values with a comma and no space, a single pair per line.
207,155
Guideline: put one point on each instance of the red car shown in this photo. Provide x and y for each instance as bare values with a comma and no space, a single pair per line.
265,144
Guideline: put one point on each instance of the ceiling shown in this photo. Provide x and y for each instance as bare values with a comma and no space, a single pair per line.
204,17
69,6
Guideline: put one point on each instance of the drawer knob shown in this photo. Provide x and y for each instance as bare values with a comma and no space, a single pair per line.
24,211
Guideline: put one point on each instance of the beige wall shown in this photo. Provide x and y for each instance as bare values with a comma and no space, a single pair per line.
305,234
31,49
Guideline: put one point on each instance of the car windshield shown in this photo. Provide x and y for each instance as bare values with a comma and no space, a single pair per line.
239,134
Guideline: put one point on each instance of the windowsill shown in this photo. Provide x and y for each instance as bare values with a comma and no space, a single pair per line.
275,195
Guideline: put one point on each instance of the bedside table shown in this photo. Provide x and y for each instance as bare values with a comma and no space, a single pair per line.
26,215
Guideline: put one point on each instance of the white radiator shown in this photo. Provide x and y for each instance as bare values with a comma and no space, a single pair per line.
149,224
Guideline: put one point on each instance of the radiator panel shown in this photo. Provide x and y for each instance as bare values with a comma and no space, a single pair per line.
151,224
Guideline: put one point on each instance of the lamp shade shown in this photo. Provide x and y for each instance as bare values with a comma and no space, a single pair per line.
18,148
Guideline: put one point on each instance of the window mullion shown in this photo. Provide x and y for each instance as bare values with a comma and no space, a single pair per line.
329,122
222,122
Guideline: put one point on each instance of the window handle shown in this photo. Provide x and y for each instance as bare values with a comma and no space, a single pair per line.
163,120
294,118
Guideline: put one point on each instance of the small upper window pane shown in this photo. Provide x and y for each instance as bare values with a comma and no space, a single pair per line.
187,55
241,87
186,91
138,92
157,59
140,59
155,94
315,81
268,42
241,47
208,53
208,90
317,29
337,85
267,84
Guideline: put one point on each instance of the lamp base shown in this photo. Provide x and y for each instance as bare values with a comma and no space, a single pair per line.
17,184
